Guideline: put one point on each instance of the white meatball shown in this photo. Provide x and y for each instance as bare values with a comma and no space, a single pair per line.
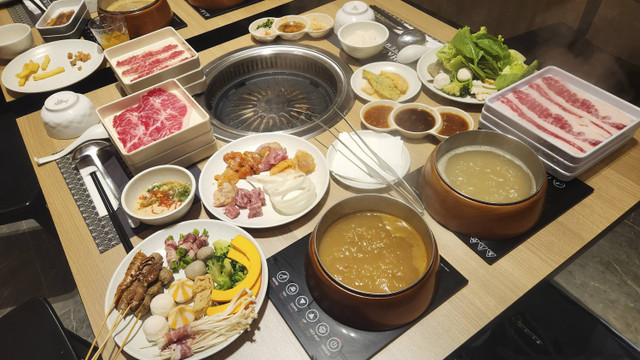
162,304
154,327
464,74
441,80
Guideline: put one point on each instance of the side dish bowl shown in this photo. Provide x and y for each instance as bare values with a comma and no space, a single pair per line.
14,40
464,214
151,176
371,311
363,39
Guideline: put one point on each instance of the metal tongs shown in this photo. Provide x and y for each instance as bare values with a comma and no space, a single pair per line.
397,183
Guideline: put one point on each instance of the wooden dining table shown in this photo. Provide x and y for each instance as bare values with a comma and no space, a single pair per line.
490,289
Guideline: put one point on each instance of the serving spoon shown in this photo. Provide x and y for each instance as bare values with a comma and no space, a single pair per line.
96,131
96,152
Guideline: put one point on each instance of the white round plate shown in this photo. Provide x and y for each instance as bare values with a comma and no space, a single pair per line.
429,58
357,81
405,163
137,345
57,51
270,218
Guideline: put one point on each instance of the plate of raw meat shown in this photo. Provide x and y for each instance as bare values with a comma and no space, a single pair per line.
263,180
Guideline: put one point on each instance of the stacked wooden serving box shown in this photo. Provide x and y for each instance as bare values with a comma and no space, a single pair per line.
569,123
182,78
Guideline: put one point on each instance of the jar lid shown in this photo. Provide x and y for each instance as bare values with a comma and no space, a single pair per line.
61,101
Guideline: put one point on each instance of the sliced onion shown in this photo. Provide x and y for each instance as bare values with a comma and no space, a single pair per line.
290,192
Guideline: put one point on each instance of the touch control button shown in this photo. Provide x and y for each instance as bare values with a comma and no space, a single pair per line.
334,344
302,301
322,329
312,315
292,289
282,276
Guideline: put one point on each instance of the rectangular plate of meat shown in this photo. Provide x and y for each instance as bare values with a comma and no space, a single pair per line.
574,119
153,121
150,59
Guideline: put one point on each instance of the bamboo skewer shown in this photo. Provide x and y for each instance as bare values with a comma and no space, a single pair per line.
113,303
119,318
127,337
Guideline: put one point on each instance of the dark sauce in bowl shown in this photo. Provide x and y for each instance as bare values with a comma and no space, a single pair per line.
378,116
415,120
452,124
291,27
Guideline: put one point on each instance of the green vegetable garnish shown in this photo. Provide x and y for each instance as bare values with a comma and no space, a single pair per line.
267,24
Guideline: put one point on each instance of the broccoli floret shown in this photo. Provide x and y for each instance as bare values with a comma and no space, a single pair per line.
227,269
214,268
238,276
221,249
224,282
456,88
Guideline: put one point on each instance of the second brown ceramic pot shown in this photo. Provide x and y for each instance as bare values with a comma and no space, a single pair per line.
215,4
468,216
371,311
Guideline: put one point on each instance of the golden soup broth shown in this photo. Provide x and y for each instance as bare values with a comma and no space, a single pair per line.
127,5
486,173
373,252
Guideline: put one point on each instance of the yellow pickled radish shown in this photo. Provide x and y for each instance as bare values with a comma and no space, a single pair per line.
181,315
181,290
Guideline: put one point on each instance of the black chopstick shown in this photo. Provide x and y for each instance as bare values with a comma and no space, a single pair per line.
117,224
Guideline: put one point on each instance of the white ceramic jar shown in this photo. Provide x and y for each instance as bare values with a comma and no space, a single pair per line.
67,115
353,11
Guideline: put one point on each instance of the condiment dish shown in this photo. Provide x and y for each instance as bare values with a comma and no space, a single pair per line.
363,39
372,115
415,120
138,184
319,24
291,27
70,29
262,31
14,40
450,126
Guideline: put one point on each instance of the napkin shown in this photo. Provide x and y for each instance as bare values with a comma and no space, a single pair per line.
345,164
91,187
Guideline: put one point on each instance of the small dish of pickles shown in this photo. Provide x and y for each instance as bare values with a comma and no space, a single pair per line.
291,27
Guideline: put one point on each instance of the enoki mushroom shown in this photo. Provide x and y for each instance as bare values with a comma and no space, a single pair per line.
210,331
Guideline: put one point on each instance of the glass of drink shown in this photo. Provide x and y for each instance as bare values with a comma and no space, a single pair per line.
109,30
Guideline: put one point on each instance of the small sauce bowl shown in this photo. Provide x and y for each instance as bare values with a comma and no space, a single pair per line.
291,27
319,24
375,115
454,120
415,120
263,34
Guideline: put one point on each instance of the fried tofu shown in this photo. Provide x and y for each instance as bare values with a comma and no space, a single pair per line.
202,283
201,303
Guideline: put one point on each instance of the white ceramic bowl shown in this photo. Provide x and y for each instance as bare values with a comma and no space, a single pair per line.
369,105
353,11
472,125
363,39
291,19
14,40
437,120
319,24
67,115
147,178
263,34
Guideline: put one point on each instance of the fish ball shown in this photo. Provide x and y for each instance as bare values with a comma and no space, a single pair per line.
441,80
196,268
205,253
155,327
162,305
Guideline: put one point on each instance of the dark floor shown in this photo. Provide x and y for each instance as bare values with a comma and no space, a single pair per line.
606,278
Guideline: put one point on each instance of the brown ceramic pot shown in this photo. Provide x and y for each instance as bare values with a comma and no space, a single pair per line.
472,217
143,20
215,4
364,310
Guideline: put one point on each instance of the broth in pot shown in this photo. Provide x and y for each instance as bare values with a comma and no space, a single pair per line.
373,252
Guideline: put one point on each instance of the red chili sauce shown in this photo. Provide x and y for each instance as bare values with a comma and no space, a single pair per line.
378,116
415,120
452,124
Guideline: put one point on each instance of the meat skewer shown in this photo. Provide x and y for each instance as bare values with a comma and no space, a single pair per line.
113,328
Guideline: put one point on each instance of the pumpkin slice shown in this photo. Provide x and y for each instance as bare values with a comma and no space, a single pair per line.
254,268
212,310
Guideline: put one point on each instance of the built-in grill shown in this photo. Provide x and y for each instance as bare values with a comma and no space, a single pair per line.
276,88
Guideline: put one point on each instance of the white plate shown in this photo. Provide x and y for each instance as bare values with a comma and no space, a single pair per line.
405,163
429,58
57,52
357,82
270,218
137,346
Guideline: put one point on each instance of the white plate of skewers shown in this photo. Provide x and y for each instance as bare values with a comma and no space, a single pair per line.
137,344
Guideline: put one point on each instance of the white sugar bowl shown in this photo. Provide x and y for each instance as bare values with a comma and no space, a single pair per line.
67,115
353,11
